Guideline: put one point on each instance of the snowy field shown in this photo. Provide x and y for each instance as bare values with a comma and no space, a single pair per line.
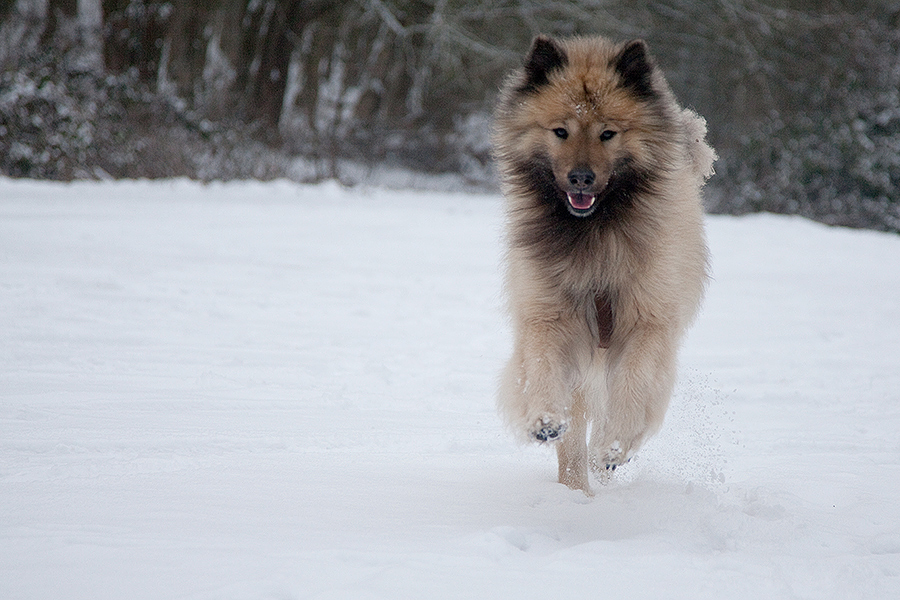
274,391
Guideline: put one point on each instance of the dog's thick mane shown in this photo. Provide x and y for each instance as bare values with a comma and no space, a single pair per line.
547,231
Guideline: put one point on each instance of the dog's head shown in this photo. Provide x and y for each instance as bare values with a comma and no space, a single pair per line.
586,121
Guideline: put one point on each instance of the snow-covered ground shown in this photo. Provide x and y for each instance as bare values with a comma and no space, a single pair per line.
273,391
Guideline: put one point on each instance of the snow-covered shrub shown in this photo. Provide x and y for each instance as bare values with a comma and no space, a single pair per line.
829,145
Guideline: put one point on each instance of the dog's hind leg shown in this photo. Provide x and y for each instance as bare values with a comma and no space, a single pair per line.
572,449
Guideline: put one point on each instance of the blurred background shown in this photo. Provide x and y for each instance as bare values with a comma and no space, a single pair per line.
802,97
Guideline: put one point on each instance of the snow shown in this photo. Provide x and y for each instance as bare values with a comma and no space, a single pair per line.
268,390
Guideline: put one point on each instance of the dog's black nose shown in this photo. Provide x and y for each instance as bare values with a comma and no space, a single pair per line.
581,177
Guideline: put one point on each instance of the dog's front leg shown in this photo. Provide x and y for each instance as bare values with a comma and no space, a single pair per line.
641,377
537,385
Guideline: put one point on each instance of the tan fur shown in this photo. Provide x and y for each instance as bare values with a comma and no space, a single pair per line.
651,259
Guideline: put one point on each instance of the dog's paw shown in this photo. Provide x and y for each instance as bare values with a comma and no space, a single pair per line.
548,430
609,458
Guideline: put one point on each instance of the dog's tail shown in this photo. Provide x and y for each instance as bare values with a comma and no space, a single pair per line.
701,153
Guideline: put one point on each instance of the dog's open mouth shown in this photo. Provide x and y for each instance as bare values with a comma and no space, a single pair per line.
581,202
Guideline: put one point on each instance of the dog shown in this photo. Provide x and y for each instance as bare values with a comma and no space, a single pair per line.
606,263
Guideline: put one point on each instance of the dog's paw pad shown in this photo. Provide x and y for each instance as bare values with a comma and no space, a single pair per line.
549,431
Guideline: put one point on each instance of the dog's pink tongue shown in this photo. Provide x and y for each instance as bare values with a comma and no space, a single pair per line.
581,201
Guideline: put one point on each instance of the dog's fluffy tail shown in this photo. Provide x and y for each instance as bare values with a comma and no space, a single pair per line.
701,153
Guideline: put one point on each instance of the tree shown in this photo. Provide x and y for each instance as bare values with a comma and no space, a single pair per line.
800,95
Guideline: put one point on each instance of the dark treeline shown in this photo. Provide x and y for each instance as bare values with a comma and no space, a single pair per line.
802,96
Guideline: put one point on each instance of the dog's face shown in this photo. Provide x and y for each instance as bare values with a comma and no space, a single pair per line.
583,155
586,120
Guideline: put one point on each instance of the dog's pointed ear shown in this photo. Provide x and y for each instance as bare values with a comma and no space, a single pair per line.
545,56
634,65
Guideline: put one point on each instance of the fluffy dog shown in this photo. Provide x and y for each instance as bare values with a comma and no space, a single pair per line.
607,262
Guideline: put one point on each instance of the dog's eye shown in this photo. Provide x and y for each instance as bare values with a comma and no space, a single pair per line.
607,135
561,133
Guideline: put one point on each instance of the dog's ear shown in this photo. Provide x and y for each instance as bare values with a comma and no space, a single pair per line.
634,65
545,56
